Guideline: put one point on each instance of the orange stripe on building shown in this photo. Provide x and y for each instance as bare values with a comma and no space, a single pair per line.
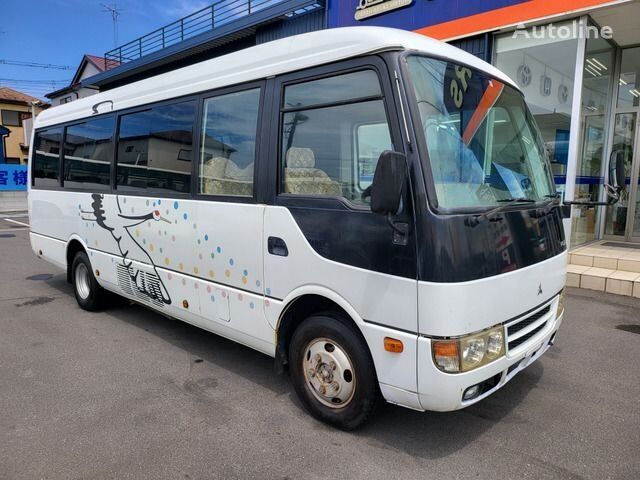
487,101
512,15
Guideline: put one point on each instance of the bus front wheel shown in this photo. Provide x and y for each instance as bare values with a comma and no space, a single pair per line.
89,294
332,372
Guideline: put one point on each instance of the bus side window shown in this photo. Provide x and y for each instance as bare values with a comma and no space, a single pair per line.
87,154
46,158
228,144
155,149
325,148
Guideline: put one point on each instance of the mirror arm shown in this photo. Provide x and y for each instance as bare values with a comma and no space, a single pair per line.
393,226
589,204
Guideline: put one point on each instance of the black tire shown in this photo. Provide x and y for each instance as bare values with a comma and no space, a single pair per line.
365,397
90,296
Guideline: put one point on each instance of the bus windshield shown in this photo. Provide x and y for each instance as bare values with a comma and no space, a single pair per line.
483,146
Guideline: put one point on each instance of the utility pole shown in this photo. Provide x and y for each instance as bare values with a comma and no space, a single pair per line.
115,13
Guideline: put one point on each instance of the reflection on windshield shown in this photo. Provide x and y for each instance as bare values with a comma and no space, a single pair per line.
483,146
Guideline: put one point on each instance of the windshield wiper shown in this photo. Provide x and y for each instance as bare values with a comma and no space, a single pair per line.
554,200
511,201
507,202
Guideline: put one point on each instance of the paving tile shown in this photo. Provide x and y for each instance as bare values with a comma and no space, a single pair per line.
605,262
629,265
577,268
599,272
619,287
613,253
623,275
593,283
573,280
582,260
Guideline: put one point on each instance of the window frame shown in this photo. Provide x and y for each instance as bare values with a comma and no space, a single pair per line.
104,189
413,115
32,164
387,96
18,112
114,159
260,143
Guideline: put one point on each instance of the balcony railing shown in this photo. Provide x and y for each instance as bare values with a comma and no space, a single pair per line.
221,12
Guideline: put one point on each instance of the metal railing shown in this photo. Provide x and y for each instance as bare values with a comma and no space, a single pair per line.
214,16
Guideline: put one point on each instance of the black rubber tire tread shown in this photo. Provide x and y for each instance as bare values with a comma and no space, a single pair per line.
97,295
367,394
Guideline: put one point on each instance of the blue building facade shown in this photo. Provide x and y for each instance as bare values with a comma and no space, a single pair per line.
583,99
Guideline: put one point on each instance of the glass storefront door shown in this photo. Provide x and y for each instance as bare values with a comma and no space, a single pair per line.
599,63
623,219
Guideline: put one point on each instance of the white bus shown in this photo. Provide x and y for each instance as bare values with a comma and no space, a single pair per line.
370,207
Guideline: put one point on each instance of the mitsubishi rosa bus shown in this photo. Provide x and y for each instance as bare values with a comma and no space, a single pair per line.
370,207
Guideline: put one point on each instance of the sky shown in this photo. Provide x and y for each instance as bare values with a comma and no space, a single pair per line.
60,32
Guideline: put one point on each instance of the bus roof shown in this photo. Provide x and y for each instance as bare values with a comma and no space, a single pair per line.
262,61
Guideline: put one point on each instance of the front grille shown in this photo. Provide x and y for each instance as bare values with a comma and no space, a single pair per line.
516,327
520,331
519,341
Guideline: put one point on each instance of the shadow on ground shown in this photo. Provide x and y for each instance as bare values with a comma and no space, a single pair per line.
421,434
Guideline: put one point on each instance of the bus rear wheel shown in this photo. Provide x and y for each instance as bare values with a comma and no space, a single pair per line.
332,372
89,294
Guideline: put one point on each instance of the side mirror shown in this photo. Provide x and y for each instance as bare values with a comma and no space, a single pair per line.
617,176
389,182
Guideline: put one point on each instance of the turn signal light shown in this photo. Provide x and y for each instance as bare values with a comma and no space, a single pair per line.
393,345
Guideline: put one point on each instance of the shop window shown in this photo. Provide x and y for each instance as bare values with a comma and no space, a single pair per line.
544,69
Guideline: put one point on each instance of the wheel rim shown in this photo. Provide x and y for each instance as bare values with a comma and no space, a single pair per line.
83,285
329,373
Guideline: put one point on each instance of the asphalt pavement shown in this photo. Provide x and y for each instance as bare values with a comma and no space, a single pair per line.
128,393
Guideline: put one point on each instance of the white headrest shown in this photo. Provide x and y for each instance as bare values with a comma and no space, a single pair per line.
300,158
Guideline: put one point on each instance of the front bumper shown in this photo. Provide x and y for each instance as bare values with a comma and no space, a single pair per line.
439,391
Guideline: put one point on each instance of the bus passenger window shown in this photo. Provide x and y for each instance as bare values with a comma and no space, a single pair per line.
87,154
46,160
333,132
228,144
155,149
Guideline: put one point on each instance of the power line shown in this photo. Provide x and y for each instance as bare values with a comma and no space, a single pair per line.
115,13
35,65
18,80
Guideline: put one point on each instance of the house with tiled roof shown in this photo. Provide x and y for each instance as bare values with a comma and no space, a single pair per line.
16,111
90,65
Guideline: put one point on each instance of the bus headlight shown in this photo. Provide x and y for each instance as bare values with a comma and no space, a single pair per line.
560,309
469,352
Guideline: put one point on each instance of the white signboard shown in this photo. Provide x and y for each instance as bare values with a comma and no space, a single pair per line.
370,8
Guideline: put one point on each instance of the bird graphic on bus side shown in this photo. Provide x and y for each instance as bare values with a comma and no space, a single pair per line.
132,280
